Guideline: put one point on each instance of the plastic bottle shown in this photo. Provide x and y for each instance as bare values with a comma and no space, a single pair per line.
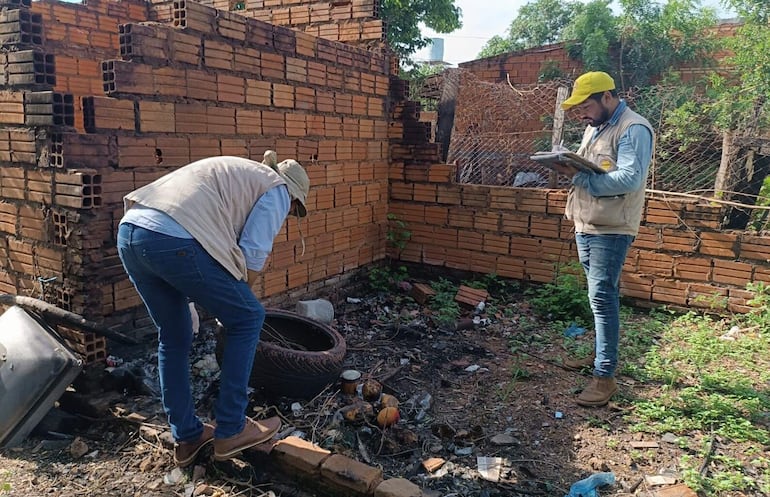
587,487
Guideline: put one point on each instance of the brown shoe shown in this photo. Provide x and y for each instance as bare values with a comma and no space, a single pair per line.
185,452
598,392
580,363
253,433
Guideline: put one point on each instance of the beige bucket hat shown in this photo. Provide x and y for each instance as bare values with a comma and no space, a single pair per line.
297,182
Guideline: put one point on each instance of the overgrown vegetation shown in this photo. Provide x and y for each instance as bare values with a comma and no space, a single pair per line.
384,278
565,300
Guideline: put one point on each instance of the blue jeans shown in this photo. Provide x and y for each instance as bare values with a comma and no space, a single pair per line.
167,271
602,258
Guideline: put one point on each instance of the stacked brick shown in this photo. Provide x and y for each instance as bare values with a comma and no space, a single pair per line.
681,256
355,22
166,84
411,138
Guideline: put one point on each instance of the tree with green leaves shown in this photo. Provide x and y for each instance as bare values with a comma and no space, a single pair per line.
654,38
404,17
538,23
741,107
638,45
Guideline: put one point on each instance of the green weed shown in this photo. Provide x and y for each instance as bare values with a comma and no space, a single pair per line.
445,309
565,299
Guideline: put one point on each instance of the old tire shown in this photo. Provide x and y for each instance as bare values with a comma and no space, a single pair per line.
282,371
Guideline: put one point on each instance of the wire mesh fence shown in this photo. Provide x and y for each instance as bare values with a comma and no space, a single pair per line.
496,127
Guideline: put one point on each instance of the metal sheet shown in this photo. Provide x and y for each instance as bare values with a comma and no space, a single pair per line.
35,369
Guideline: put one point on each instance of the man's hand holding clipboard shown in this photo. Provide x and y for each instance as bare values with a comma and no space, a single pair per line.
566,163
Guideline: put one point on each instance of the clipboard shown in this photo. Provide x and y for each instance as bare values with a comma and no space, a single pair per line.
548,159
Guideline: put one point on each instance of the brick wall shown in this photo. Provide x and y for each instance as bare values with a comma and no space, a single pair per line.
98,101
680,257
523,67
355,22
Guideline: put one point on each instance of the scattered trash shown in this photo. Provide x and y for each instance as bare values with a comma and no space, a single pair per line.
479,321
587,486
472,368
463,451
680,490
490,467
574,331
732,334
433,463
350,378
296,409
480,307
174,477
353,300
657,480
112,361
558,415
464,324
207,366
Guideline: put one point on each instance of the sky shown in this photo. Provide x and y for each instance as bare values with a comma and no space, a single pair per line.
483,19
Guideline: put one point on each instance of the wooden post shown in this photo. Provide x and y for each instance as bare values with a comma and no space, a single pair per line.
558,131
727,175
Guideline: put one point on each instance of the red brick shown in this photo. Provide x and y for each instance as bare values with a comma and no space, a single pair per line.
350,475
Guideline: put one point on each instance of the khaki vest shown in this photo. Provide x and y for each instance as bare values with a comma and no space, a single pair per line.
617,214
211,198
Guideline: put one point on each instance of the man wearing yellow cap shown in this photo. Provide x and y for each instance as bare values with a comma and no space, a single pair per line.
606,210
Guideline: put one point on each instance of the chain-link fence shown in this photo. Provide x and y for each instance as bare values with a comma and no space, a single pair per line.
489,130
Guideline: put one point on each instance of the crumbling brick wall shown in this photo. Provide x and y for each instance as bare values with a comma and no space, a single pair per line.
681,256
524,67
128,91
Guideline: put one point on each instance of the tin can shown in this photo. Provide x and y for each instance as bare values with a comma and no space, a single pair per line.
349,379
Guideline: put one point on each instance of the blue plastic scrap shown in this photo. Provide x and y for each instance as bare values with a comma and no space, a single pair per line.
574,330
587,487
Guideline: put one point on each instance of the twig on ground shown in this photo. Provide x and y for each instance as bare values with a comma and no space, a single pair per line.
707,459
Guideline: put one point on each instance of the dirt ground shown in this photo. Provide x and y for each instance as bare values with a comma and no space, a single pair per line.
492,390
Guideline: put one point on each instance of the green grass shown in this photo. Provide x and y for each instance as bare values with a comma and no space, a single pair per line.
709,389
712,393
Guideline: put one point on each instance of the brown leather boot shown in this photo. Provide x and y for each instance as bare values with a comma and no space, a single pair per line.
578,364
253,433
598,392
185,452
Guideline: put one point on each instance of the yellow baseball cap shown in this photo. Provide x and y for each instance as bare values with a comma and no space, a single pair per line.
586,85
